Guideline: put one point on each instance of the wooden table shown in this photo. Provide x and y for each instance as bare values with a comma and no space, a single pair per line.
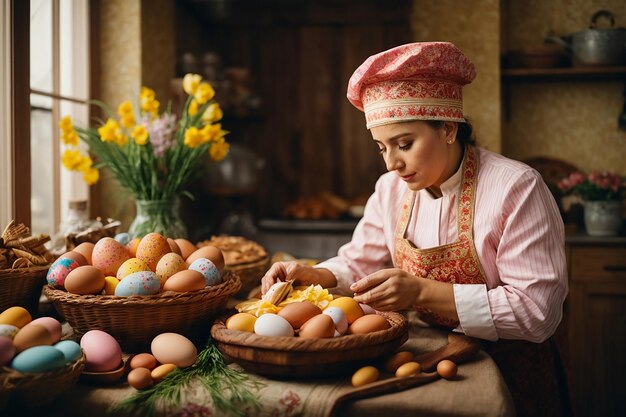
477,390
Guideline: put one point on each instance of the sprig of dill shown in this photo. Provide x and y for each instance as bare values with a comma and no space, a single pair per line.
227,387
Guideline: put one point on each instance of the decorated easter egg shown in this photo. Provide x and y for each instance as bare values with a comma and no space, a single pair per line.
102,352
8,330
208,270
59,270
152,248
212,253
77,256
130,266
139,283
168,265
110,283
38,359
108,255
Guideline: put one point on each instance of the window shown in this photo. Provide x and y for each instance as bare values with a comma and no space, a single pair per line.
59,86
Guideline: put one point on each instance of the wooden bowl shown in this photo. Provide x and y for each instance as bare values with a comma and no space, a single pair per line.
294,357
104,378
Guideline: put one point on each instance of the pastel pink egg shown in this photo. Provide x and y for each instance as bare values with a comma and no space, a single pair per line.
52,325
102,352
108,255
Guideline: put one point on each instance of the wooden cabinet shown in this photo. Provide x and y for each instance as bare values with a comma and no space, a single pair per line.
597,326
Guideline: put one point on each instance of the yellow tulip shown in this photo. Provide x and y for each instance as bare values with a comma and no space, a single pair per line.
193,107
213,113
194,137
219,149
109,131
72,159
69,138
91,176
204,93
125,109
191,83
140,135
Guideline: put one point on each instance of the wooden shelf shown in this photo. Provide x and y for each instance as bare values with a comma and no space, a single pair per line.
565,74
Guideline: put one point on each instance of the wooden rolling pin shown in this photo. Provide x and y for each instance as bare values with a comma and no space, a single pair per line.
459,349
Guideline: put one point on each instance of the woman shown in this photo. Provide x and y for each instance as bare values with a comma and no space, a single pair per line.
472,240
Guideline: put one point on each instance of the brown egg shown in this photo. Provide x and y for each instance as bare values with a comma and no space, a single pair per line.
132,247
78,257
140,378
173,245
317,327
186,247
365,375
446,369
85,249
212,253
143,360
187,280
85,280
398,359
368,324
408,369
299,312
31,335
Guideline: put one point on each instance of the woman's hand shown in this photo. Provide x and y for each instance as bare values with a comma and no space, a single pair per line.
301,274
387,290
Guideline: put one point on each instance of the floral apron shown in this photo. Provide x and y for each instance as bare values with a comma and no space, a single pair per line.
532,371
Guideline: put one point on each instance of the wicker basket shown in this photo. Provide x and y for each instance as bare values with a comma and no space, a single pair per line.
30,390
134,321
250,274
22,287
294,357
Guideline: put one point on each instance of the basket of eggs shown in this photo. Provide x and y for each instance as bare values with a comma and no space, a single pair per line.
246,258
35,365
305,332
139,290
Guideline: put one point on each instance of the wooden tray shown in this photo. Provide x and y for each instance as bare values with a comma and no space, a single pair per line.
294,357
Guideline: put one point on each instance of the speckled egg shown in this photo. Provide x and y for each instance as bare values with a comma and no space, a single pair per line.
108,255
152,248
168,265
139,283
124,238
59,270
208,270
130,266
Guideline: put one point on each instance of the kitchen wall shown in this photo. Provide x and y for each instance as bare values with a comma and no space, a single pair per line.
572,121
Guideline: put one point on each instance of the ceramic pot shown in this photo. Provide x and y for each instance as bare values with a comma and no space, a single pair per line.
603,218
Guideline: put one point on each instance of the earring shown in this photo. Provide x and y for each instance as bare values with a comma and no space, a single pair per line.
449,142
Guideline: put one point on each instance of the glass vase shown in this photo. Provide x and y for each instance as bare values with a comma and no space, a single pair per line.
159,216
603,218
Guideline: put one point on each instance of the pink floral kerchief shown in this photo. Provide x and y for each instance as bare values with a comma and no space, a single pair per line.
416,81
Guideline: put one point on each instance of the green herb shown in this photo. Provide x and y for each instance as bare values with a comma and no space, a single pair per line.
228,388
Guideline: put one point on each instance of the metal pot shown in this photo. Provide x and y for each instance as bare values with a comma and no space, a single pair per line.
596,46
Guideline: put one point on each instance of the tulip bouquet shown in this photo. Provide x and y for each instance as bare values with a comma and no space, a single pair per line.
152,155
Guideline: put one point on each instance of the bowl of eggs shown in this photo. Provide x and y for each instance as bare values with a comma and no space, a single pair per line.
140,289
316,337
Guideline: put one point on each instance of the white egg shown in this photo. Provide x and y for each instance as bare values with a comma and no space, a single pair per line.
339,317
272,325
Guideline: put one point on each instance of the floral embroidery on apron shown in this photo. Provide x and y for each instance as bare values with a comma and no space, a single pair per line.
457,262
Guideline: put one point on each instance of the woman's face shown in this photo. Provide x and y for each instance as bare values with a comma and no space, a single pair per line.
418,153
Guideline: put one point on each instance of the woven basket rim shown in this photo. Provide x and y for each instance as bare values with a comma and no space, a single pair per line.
251,264
10,272
229,286
12,379
399,327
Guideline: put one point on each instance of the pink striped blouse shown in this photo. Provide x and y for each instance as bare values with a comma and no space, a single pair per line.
518,235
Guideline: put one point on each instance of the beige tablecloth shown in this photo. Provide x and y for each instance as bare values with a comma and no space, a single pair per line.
478,390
